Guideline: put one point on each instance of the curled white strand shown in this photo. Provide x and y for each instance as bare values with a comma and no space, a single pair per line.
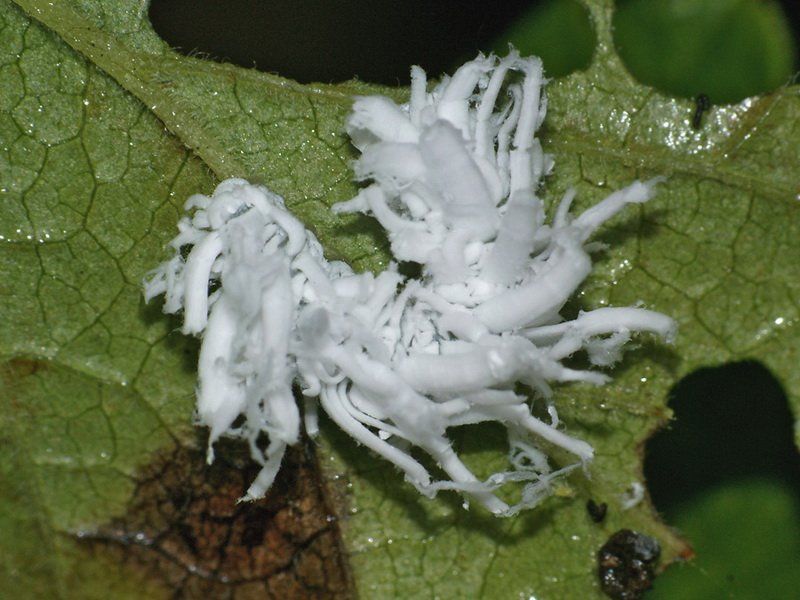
453,178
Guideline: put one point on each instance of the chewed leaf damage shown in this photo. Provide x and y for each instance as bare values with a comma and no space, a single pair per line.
453,177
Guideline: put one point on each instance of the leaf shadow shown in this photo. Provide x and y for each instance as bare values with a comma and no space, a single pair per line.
445,511
360,225
188,347
653,350
642,226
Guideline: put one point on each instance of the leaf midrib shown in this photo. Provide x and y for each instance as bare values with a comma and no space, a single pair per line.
722,171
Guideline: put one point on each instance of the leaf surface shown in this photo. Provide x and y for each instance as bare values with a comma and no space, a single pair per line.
105,132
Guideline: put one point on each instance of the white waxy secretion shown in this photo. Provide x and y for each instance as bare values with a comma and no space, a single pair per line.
453,178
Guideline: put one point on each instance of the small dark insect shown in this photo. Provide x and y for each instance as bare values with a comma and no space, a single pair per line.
597,511
701,105
625,564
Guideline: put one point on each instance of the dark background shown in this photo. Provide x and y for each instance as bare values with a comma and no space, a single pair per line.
329,41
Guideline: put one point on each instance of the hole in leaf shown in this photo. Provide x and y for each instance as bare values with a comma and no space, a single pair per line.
731,422
726,49
375,40
726,473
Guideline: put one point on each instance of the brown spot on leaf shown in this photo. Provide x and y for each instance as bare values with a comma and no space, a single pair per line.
185,527
19,368
686,553
15,371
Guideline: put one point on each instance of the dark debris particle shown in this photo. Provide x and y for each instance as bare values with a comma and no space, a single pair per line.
596,511
626,564
185,528
701,105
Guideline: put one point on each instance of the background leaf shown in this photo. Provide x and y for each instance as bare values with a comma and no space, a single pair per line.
753,514
727,49
559,32
94,383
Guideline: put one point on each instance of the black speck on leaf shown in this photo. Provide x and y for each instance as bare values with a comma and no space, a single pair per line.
702,104
596,511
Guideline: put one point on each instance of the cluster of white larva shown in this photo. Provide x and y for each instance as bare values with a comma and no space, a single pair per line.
453,178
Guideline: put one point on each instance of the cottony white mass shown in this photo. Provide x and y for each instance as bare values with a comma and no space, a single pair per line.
453,177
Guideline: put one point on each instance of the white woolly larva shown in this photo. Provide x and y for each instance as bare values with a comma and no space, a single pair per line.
453,178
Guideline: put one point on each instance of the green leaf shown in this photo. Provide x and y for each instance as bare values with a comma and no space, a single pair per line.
97,387
727,49
557,31
731,527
